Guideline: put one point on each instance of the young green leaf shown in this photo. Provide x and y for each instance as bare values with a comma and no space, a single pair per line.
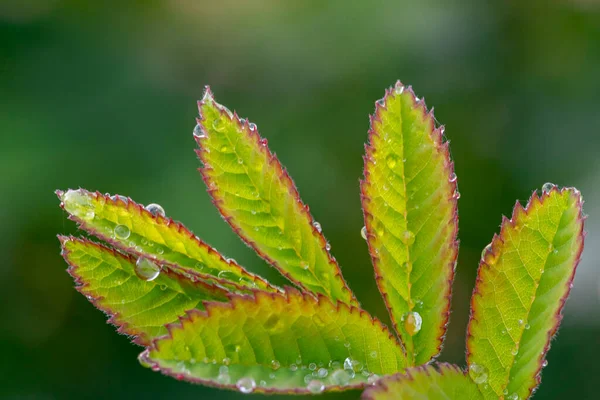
426,382
409,201
132,228
260,201
140,299
523,281
275,343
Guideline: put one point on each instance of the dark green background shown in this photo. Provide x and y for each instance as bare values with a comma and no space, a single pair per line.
102,95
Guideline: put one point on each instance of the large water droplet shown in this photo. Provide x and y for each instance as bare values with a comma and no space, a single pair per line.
317,226
408,238
412,323
246,385
391,161
478,373
340,377
315,386
547,187
199,132
122,232
79,204
155,209
146,269
363,232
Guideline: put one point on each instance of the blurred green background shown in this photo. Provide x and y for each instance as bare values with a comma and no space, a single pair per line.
103,95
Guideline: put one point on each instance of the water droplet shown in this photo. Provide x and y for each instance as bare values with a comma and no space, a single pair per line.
456,194
155,209
79,204
246,385
119,197
452,177
412,323
408,238
381,102
312,366
122,232
520,322
547,187
160,250
505,392
363,232
303,264
227,275
513,396
545,363
293,368
226,361
163,287
240,161
315,386
372,379
317,226
527,326
199,132
252,127
219,124
398,88
146,269
348,363
373,354
478,373
485,250
391,161
322,372
514,351
340,377
328,246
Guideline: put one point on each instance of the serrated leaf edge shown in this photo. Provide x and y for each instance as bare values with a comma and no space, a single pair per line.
81,285
132,206
492,252
209,306
213,190
437,136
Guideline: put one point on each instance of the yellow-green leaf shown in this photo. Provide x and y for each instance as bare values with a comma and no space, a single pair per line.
138,306
132,228
259,200
523,281
276,343
446,382
409,200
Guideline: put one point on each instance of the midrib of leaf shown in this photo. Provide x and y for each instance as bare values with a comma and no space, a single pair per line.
326,290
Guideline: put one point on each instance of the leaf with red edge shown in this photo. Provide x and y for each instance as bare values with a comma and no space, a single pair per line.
409,200
443,382
139,308
133,229
274,343
523,281
257,197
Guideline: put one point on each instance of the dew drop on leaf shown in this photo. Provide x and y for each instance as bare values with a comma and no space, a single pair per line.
340,377
545,363
513,396
312,366
317,226
478,373
322,372
452,177
363,232
246,385
372,379
275,365
315,386
412,323
199,132
408,238
514,351
155,209
116,197
485,250
146,269
328,246
547,187
79,204
122,232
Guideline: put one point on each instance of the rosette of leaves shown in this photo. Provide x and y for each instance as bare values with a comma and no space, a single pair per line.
205,319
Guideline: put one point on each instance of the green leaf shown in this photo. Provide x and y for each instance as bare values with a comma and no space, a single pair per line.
427,383
133,229
139,308
409,200
259,200
523,281
268,342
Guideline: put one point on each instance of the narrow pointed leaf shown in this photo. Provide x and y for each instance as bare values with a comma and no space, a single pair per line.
523,281
139,308
447,382
409,202
260,201
130,227
292,343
